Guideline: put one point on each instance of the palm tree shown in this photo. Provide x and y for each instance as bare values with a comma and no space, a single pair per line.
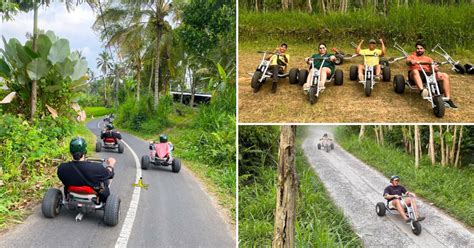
104,64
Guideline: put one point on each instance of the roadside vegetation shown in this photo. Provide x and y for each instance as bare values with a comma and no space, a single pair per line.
318,221
446,184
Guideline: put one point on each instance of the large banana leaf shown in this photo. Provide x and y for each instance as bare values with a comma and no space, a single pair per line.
59,51
66,68
37,68
5,71
43,45
80,69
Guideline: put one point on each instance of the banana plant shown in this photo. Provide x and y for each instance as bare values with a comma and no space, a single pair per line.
59,72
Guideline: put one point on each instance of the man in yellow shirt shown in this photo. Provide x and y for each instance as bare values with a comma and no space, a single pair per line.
372,61
278,62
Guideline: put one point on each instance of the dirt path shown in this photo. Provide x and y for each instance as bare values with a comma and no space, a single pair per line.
356,188
346,103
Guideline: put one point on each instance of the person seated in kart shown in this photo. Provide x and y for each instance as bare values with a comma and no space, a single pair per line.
278,63
164,139
371,61
327,70
392,194
94,173
325,138
109,133
415,73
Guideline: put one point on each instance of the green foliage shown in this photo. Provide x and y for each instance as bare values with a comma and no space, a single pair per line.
448,188
97,111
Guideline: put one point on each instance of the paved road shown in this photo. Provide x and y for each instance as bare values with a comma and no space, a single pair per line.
356,188
173,212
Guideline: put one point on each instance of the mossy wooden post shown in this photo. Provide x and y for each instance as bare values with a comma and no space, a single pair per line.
417,146
287,190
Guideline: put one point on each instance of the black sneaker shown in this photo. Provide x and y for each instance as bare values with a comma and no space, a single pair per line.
274,87
408,220
421,218
451,103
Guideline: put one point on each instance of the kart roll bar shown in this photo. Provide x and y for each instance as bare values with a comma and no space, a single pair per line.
445,55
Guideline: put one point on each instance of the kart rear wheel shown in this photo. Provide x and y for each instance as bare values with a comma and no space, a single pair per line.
255,83
438,109
332,146
98,146
112,210
338,77
293,77
353,72
51,204
459,68
145,162
380,209
312,98
399,84
120,148
386,74
319,146
176,165
416,228
339,59
368,87
302,76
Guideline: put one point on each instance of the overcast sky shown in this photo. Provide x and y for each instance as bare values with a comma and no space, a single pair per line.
74,26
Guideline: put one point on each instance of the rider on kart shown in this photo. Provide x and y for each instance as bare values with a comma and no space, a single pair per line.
109,133
163,139
371,61
278,62
393,192
329,66
415,73
80,172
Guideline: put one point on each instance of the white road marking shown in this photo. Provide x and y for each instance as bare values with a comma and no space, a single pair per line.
132,210
98,124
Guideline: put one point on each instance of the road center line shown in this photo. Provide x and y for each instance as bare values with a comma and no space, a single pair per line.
132,209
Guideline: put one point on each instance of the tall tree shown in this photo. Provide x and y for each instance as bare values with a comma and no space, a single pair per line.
431,146
417,146
287,191
104,64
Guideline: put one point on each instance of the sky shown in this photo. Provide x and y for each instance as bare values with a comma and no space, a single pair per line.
74,26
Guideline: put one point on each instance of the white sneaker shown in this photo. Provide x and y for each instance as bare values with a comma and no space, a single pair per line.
424,92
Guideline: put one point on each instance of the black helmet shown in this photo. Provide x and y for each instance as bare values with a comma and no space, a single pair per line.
163,138
325,135
109,126
78,145
394,177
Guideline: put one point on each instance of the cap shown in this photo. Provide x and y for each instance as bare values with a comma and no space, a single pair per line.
372,41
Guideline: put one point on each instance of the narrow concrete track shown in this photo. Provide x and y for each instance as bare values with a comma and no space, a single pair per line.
175,211
356,188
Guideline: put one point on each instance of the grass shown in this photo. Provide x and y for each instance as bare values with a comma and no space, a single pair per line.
97,111
318,221
448,188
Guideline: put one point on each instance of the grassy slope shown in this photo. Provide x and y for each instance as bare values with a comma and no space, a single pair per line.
319,222
450,189
97,111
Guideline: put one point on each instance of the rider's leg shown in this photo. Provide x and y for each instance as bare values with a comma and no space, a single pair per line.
415,75
447,89
308,80
398,204
378,70
275,69
360,69
325,73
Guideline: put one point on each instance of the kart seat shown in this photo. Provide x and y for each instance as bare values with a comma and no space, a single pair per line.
162,150
109,140
84,190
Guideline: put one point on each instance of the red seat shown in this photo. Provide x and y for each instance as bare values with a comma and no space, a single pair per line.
109,140
81,189
162,150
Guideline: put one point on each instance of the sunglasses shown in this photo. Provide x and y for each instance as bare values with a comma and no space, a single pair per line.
322,47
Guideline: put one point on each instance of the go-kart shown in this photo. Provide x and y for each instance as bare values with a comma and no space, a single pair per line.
261,73
435,89
456,66
110,143
381,208
83,199
161,155
326,144
300,77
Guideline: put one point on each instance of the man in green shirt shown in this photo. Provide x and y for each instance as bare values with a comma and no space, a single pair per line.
326,71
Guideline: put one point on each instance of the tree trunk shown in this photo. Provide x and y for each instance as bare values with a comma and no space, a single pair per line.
361,132
151,75
441,139
284,4
193,91
456,161
376,135
417,145
256,5
34,82
139,78
453,148
309,7
287,191
381,135
157,66
431,148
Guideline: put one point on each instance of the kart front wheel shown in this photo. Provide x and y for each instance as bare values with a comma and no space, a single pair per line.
438,109
293,76
98,146
145,162
255,83
51,204
368,87
312,98
112,210
416,229
176,165
380,209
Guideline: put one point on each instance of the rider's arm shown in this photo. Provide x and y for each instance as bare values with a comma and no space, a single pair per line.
384,50
359,46
332,58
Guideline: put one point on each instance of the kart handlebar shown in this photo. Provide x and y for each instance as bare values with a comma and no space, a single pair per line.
95,160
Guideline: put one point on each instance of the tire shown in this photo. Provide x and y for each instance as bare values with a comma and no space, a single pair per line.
439,108
255,83
332,146
145,162
319,146
338,77
380,209
312,98
293,77
120,148
51,204
367,87
386,73
459,68
399,84
98,146
176,165
302,76
339,59
416,228
326,147
383,61
112,210
353,73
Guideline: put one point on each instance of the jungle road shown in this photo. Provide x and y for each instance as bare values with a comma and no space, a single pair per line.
174,211
356,188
